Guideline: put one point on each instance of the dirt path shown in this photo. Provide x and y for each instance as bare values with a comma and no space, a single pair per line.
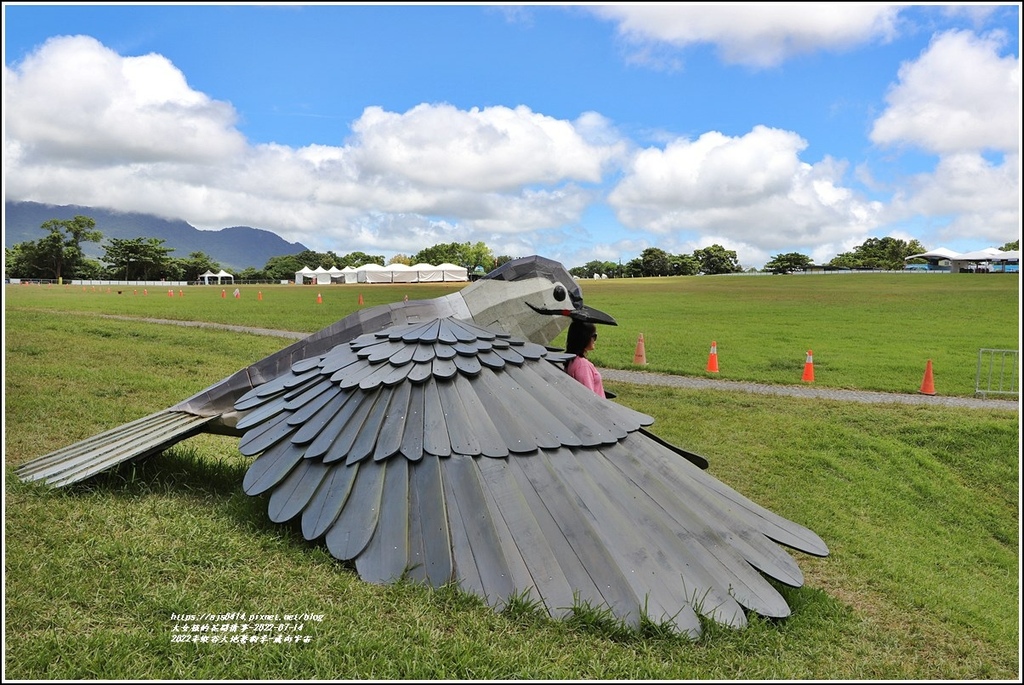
647,378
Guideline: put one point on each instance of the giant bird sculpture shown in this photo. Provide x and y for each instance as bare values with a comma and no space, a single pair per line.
440,440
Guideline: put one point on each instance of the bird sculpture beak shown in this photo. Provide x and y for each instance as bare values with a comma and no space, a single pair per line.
581,313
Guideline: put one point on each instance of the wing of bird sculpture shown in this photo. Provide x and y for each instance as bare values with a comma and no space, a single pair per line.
522,294
444,451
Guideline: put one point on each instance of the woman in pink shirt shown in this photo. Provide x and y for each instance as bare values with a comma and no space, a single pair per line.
580,340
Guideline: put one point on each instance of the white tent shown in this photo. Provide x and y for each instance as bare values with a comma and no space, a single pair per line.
428,273
975,261
322,275
224,274
453,273
402,273
937,254
350,275
372,273
207,276
302,274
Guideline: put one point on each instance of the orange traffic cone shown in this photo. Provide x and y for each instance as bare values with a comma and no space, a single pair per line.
713,358
223,293
928,384
360,299
808,368
181,293
259,295
640,354
170,293
319,300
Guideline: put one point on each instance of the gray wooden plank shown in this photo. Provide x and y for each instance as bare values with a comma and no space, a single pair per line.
517,436
435,427
469,366
549,431
314,405
575,417
328,434
369,432
430,547
461,434
482,560
444,351
427,335
386,555
569,529
264,435
423,353
313,425
327,502
362,403
294,493
270,468
489,439
412,433
444,368
544,575
350,532
389,441
633,530
309,393
421,372
718,550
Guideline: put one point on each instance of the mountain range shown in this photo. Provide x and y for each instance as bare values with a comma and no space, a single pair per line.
234,248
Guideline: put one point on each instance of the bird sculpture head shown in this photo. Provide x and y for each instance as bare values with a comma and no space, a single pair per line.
532,297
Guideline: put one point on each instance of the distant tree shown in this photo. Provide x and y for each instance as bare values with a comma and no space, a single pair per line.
138,259
715,259
195,265
886,253
788,263
400,259
251,273
501,259
683,265
634,268
1015,245
283,267
58,254
468,255
355,259
655,262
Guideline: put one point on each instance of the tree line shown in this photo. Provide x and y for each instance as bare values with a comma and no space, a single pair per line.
59,256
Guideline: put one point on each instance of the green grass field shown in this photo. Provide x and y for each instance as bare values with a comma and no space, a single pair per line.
919,505
866,331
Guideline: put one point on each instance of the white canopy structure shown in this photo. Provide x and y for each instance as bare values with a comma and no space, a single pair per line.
224,274
207,276
984,260
453,272
349,275
302,274
428,273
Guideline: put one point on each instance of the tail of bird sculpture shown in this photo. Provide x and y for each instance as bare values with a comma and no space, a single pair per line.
130,442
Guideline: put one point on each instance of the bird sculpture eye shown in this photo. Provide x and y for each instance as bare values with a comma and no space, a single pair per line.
559,292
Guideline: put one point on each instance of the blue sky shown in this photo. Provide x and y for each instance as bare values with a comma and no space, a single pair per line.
574,131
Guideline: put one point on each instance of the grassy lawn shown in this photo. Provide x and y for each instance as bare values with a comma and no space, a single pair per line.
920,505
866,331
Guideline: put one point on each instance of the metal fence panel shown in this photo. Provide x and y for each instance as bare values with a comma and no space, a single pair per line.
997,373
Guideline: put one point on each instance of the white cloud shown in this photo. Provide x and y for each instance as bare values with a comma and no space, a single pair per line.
750,193
87,126
959,96
966,197
758,35
76,101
